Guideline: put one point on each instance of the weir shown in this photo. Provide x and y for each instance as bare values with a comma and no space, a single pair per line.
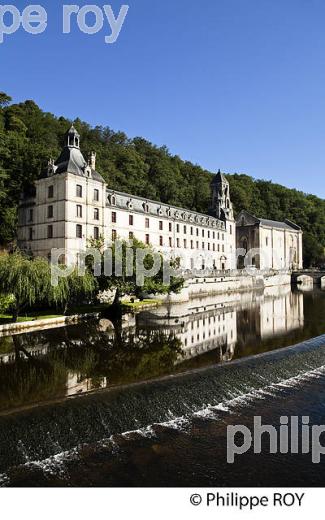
39,433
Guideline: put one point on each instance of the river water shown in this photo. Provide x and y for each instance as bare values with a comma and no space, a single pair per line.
147,402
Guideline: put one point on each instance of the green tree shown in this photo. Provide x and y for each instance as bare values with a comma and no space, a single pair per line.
123,277
27,280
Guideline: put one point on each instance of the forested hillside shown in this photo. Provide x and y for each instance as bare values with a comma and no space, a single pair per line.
29,137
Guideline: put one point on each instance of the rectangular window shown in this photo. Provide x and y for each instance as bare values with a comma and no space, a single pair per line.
202,245
147,239
214,247
30,233
267,241
177,242
197,245
131,235
114,235
192,244
79,190
185,244
197,232
185,230
208,234
96,233
96,195
49,231
230,229
170,242
218,248
78,231
223,248
161,241
49,211
79,211
131,220
191,230
96,214
170,227
31,215
209,246
114,219
161,225
203,233
147,223
214,235
50,192
177,228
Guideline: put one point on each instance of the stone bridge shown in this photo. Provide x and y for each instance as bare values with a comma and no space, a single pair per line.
309,276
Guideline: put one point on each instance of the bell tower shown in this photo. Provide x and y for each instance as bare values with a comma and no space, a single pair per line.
72,138
221,204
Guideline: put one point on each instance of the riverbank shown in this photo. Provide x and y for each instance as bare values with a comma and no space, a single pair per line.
85,312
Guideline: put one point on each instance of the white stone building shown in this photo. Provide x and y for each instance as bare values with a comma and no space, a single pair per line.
71,204
269,244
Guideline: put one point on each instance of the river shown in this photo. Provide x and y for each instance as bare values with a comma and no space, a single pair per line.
147,402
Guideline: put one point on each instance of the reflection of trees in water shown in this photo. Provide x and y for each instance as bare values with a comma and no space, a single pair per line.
29,379
121,356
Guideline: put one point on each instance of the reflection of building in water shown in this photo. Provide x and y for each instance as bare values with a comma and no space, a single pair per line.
280,315
218,323
77,384
200,325
280,311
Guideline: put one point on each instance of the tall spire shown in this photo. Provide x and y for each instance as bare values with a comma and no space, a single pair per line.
221,203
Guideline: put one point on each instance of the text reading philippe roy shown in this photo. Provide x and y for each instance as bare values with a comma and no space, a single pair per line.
88,19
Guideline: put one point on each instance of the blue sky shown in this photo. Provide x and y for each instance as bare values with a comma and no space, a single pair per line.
231,84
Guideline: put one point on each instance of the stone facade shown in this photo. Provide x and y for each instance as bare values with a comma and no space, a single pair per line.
272,245
71,204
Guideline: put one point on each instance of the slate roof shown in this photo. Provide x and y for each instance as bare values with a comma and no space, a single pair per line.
71,160
138,204
287,224
280,225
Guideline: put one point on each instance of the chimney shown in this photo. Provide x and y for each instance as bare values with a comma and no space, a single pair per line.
92,160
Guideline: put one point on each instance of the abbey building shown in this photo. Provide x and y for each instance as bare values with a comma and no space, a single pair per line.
72,203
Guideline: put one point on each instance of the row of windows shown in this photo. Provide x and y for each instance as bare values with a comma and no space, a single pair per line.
79,192
79,232
50,213
210,333
50,233
79,212
210,234
192,243
184,244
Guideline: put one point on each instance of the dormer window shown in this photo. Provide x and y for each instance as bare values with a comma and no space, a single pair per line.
146,207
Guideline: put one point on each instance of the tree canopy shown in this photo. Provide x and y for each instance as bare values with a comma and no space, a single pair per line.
29,136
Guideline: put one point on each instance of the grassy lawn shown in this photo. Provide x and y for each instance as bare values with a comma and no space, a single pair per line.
139,305
79,309
6,318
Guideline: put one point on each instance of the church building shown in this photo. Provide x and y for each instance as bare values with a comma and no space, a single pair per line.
271,244
71,203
